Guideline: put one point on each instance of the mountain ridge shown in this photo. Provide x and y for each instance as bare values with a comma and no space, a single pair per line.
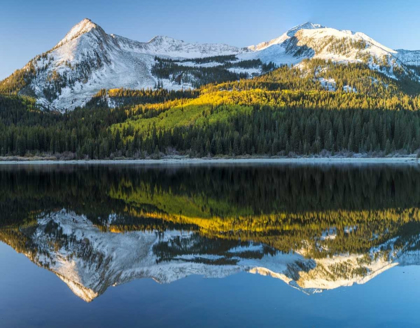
88,59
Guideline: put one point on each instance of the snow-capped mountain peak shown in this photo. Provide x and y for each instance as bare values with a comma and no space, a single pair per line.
304,26
163,39
315,41
285,36
84,26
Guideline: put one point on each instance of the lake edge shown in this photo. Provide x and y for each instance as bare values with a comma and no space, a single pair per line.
196,161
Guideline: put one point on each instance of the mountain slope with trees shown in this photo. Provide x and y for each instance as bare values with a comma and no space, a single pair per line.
284,112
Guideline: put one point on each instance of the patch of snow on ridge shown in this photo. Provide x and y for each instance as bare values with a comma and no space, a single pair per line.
409,57
328,84
329,234
250,71
276,54
192,64
250,248
348,88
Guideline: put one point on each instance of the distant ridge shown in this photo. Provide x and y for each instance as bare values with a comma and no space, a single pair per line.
88,59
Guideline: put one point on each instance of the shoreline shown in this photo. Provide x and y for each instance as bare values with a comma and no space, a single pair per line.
196,161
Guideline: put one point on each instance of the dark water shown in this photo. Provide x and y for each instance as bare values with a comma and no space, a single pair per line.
198,246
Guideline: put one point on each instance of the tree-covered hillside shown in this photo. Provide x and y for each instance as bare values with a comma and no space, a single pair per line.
323,107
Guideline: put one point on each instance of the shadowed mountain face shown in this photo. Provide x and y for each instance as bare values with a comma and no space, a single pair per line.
315,228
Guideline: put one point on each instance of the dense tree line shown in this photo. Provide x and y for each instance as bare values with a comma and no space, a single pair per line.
212,59
280,113
300,131
261,131
124,97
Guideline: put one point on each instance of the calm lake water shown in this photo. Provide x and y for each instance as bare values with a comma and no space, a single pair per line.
206,246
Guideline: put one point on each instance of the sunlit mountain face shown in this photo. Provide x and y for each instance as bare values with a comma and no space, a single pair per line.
88,60
314,228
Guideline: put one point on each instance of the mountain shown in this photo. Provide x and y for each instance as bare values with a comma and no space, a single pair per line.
88,59
314,41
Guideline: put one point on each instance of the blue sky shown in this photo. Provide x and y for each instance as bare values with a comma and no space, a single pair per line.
30,27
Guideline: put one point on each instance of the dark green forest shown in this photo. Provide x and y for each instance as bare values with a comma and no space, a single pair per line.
281,113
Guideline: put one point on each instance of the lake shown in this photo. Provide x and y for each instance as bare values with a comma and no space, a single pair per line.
260,245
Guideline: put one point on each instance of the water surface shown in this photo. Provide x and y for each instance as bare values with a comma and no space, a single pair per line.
224,245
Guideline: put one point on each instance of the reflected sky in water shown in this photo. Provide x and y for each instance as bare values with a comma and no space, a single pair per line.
291,246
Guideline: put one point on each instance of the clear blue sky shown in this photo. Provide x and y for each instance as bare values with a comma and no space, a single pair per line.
30,27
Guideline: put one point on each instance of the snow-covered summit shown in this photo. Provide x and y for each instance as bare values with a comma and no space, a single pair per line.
315,41
285,36
305,26
85,26
88,59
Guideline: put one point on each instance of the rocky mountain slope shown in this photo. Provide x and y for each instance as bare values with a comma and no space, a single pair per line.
88,59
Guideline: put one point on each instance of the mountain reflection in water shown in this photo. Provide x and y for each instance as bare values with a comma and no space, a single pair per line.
313,227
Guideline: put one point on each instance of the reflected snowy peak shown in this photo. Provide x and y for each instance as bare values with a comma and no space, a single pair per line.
315,229
90,260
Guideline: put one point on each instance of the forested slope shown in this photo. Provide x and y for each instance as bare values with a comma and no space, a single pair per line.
325,107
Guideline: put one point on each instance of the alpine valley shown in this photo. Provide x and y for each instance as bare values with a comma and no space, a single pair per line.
171,183
312,90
